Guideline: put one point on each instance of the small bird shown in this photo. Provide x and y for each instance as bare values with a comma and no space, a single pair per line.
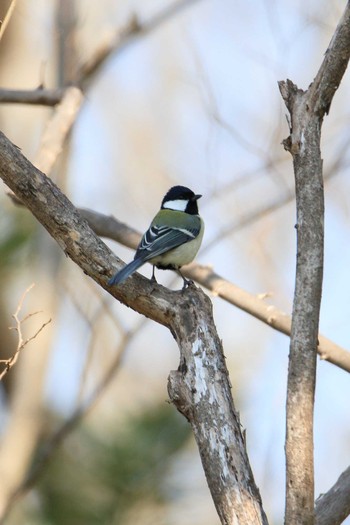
173,238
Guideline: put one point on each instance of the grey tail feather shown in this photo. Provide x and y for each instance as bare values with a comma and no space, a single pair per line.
125,272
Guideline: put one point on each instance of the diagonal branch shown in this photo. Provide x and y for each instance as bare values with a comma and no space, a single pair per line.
255,305
108,226
333,507
5,15
121,38
114,43
57,129
307,110
200,388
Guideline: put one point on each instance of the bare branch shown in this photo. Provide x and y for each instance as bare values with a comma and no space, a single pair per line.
11,361
275,203
112,44
57,129
84,408
107,226
29,394
333,507
6,16
200,392
110,227
188,315
116,42
66,22
307,110
39,96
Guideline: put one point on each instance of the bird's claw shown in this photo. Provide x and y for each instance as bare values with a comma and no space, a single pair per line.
187,283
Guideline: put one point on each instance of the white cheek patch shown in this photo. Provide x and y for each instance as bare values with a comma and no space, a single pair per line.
177,205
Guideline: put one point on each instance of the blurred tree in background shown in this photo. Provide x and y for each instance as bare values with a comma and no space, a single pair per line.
106,478
174,93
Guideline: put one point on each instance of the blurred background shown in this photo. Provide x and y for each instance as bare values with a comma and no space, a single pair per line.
187,95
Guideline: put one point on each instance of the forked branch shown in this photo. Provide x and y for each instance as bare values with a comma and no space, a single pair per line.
11,361
201,387
307,109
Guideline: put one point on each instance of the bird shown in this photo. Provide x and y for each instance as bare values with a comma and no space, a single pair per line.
172,239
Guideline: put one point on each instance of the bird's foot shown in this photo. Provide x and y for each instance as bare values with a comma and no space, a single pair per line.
187,283
153,278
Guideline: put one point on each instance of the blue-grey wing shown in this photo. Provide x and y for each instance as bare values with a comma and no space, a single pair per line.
160,239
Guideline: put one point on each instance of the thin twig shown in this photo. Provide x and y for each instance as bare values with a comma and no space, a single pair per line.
62,433
117,41
103,310
11,361
275,203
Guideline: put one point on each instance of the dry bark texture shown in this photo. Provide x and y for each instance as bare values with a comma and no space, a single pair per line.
112,228
200,388
307,109
333,507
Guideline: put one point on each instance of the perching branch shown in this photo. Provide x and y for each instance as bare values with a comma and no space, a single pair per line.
200,388
307,109
108,226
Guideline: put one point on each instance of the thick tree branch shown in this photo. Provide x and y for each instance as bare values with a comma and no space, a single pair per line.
107,226
200,392
110,227
307,110
200,388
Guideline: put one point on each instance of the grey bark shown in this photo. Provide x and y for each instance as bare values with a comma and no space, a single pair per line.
200,388
307,110
108,226
333,507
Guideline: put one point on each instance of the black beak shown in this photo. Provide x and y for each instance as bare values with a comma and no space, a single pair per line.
196,197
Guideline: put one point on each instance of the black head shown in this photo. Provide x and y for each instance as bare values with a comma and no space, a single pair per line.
180,198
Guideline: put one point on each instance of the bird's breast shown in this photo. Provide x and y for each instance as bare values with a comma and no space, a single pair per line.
181,255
